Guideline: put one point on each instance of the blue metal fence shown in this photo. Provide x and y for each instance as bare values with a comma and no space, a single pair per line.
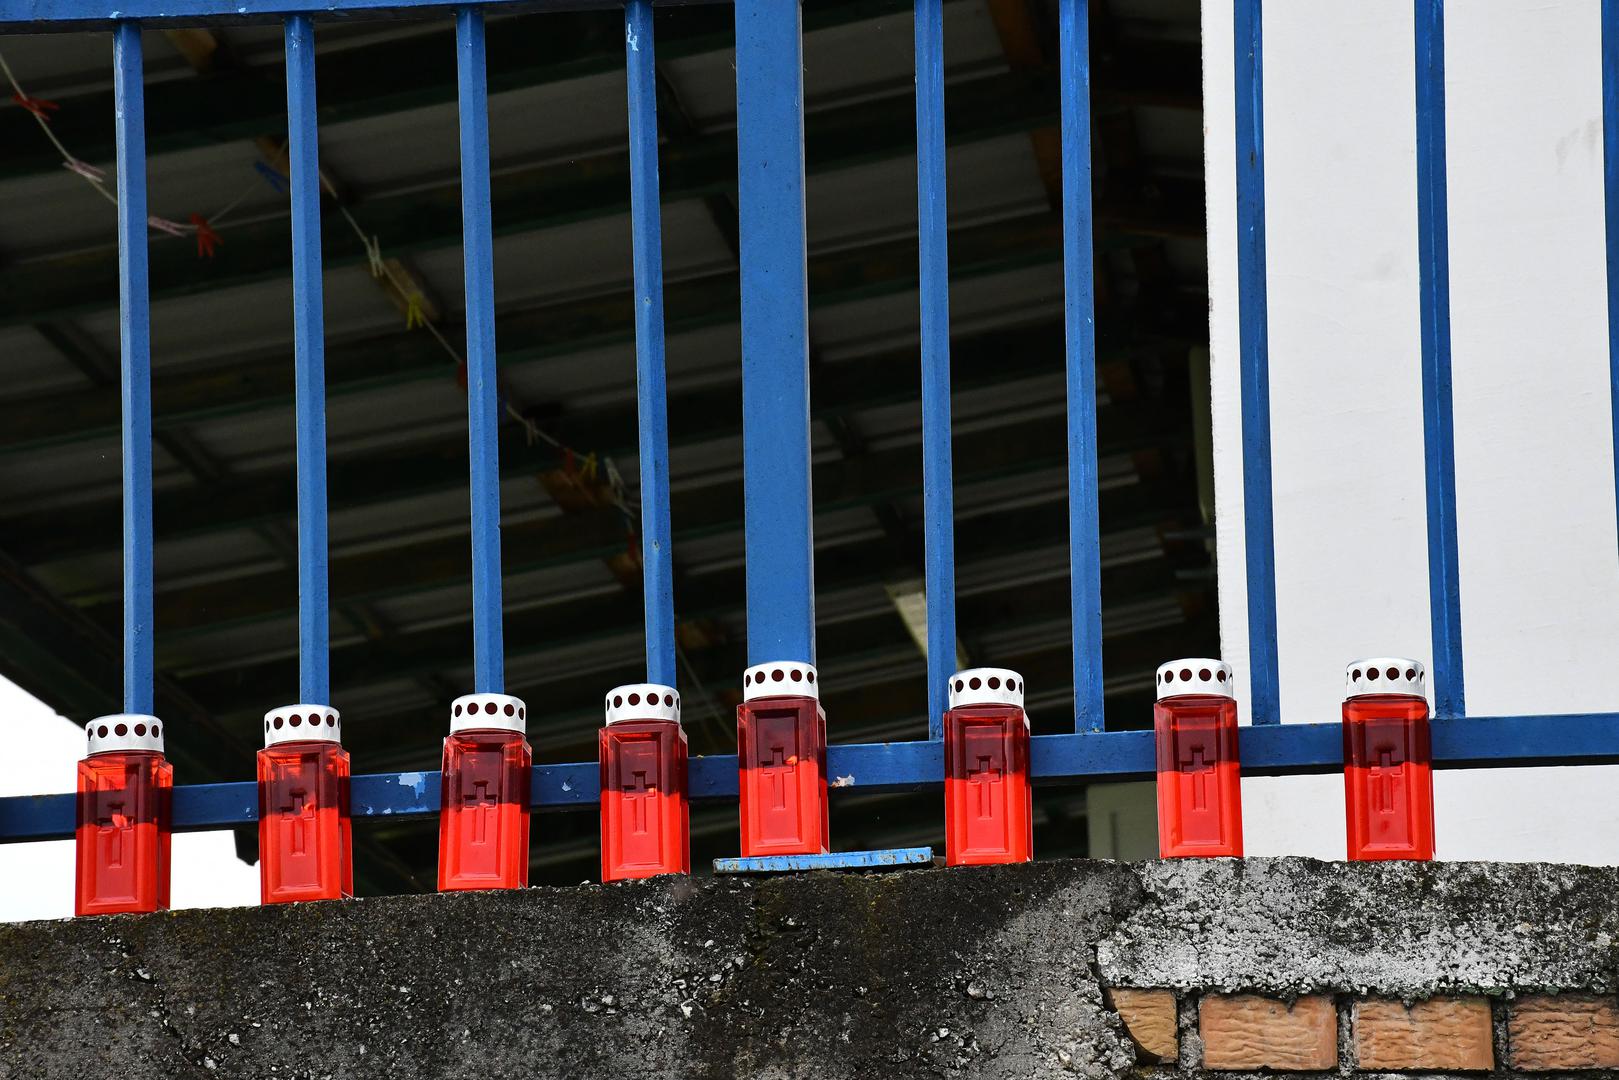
776,402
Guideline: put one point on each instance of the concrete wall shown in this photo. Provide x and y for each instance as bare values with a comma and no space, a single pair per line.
1005,972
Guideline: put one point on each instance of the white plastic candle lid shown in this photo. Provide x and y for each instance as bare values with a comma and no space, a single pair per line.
643,701
303,723
784,678
986,686
1386,675
1195,675
125,731
485,712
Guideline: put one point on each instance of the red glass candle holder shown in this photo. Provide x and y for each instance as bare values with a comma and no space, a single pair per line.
988,802
1199,770
484,797
781,761
645,817
305,845
122,836
1388,761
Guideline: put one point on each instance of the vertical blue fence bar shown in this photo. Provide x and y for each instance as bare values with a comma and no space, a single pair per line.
1079,318
775,332
1259,532
933,232
483,406
646,225
1610,205
309,362
1438,426
135,345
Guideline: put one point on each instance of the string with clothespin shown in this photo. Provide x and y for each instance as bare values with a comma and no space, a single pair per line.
417,317
42,110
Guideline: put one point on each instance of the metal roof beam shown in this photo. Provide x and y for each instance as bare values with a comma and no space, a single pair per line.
534,632
65,532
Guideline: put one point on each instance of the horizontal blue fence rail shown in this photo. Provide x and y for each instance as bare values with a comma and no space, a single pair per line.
37,15
899,766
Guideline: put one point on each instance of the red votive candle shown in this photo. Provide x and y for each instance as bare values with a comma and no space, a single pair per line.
644,814
484,796
781,761
122,835
988,802
305,846
1388,760
1199,771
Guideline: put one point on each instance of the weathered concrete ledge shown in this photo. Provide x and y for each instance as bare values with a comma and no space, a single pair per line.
986,972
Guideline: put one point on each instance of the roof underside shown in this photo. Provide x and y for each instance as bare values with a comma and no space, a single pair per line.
401,635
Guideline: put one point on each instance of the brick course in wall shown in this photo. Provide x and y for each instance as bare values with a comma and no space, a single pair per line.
1551,1032
1570,1032
1246,1031
1442,1033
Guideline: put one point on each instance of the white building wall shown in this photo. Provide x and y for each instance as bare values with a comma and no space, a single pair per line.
1539,555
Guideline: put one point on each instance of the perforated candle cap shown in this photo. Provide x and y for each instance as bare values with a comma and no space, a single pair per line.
986,686
1195,675
302,723
783,678
643,701
485,712
124,731
1386,675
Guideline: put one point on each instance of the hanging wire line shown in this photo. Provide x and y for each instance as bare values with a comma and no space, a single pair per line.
97,178
203,229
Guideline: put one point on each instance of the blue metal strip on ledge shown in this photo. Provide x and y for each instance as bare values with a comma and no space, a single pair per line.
881,859
1579,738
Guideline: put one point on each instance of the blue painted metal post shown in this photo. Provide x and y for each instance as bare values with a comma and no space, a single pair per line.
1254,359
1438,428
933,232
646,223
483,408
1610,204
775,332
1079,315
309,362
136,368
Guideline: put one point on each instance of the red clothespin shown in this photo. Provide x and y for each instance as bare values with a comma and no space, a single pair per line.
40,107
207,238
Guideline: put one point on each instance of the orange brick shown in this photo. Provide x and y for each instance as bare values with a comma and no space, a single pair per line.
1442,1033
1149,1017
1564,1031
1244,1031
